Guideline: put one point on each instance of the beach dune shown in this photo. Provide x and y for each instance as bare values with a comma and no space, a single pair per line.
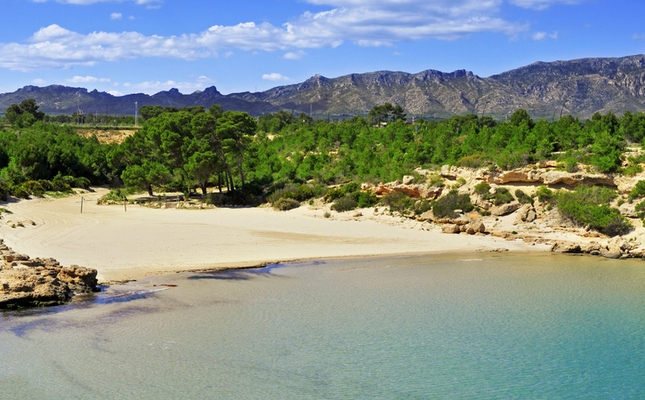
140,242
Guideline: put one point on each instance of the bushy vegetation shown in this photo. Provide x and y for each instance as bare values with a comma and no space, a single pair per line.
295,158
637,191
523,197
285,204
345,203
544,194
397,201
589,206
445,206
499,197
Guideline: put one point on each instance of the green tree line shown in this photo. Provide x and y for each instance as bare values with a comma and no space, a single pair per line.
194,148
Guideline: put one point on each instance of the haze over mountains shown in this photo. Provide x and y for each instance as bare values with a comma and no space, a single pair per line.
578,87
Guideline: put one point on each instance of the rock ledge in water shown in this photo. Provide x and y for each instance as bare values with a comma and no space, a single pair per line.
26,282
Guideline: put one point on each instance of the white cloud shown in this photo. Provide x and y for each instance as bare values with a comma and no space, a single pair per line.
115,93
542,4
274,76
363,22
116,16
294,55
152,87
89,2
39,82
87,79
543,35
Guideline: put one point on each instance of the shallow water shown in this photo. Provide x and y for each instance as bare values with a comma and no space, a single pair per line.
475,326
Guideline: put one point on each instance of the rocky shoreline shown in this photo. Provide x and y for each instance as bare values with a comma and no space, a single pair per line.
26,282
534,223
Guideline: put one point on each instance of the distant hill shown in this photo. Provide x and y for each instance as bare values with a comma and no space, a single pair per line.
578,87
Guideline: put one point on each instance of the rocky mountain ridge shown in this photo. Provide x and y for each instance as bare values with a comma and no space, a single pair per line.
546,89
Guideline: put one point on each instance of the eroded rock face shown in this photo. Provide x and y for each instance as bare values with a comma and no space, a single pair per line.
26,282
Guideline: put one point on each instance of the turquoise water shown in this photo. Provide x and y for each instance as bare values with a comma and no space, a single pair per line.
483,326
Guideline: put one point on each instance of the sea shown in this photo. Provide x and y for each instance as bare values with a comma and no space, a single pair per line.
452,326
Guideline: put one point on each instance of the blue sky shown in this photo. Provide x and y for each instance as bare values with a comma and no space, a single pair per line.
132,46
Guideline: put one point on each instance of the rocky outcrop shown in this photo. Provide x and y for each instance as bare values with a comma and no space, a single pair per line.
548,177
526,213
26,282
469,226
616,247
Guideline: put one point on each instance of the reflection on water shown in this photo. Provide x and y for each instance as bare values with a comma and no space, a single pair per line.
474,326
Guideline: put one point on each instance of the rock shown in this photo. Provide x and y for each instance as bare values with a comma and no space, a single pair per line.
565,247
474,227
531,216
615,248
426,216
591,248
407,179
628,210
575,179
505,209
41,282
79,279
480,201
522,213
548,177
433,192
450,228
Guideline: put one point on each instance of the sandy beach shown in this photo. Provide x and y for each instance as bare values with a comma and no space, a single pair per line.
141,242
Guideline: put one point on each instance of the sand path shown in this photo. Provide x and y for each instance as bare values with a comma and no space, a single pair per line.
143,241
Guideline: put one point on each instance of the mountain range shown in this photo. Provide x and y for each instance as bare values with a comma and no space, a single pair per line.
545,89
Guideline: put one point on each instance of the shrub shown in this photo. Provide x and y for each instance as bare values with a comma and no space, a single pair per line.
633,169
20,192
34,188
640,210
114,195
397,201
367,199
544,194
482,188
345,203
589,206
418,178
421,206
637,191
285,204
82,183
341,191
523,197
474,161
445,206
47,185
435,181
502,196
61,183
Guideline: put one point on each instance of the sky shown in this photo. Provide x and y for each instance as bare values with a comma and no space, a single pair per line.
147,46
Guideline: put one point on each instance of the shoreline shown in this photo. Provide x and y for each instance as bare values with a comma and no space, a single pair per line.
144,242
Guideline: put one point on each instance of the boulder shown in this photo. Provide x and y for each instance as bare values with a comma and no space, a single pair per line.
473,227
616,247
628,210
26,282
450,228
565,247
505,209
407,179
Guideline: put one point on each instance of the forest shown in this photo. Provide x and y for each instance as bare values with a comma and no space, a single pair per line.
191,150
